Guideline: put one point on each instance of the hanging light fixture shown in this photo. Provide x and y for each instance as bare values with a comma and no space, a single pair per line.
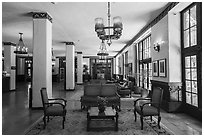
110,32
21,48
102,53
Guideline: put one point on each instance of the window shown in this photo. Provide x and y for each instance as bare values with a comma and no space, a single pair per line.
145,65
191,55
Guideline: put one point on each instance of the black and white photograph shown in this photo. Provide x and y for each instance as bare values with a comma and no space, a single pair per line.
101,67
162,68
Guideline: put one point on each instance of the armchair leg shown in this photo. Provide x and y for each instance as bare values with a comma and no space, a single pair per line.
141,119
44,119
151,118
159,119
135,115
48,118
63,122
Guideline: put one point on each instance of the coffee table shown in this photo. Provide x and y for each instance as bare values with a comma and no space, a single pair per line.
109,114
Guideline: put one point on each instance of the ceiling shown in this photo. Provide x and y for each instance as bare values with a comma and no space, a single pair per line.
74,21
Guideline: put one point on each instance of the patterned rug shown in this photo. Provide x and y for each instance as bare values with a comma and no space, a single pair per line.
76,125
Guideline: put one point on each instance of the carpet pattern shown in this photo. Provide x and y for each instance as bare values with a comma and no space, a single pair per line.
76,125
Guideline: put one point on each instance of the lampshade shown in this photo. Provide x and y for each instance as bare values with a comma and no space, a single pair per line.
117,23
99,25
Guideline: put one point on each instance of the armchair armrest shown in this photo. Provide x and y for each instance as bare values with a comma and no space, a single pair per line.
140,99
53,99
55,103
149,103
117,94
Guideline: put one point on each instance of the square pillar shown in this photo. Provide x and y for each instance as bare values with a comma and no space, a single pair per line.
79,68
70,68
42,56
10,63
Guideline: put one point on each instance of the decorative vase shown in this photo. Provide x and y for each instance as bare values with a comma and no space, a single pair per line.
101,108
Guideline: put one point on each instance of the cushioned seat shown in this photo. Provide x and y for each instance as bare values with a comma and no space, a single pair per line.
89,98
147,110
55,110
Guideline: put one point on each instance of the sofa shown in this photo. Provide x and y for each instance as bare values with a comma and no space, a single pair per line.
93,91
125,91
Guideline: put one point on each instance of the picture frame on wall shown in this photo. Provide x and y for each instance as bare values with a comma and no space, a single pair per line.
155,68
162,68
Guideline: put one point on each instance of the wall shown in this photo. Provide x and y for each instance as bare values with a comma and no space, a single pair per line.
174,47
159,32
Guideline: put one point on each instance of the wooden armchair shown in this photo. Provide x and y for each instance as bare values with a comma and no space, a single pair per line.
151,108
52,108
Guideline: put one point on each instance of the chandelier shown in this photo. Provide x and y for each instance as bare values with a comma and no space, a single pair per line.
110,32
20,48
102,53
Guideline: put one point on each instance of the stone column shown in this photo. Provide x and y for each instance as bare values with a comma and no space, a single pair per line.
70,68
10,63
42,56
79,68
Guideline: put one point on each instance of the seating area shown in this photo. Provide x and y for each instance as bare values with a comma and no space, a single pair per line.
102,68
92,91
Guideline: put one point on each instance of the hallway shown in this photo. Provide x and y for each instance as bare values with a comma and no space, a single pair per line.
16,102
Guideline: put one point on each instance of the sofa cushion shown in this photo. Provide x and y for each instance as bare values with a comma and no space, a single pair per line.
89,99
113,99
92,90
108,90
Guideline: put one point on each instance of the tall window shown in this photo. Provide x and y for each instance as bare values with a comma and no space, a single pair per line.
145,65
191,55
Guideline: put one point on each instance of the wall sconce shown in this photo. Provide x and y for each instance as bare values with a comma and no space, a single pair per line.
157,45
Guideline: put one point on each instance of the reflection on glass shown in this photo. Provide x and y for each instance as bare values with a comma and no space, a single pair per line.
195,100
188,85
187,62
193,36
186,20
188,74
186,38
193,61
188,98
194,74
194,86
193,16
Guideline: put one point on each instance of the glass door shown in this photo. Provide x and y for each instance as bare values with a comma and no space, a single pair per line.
192,58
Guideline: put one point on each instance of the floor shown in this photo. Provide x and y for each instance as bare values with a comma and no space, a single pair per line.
17,117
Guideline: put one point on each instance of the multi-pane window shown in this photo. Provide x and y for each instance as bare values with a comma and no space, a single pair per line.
191,55
145,65
191,80
190,27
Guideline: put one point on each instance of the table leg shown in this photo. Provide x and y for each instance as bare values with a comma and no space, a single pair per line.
116,122
88,122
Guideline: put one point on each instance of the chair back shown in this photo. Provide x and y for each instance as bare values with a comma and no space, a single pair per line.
44,97
108,90
92,90
157,96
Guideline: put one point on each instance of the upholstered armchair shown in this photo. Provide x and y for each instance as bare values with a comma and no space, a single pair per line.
124,91
53,107
151,108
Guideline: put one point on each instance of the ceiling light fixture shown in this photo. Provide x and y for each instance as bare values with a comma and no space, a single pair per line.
102,53
104,33
21,48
